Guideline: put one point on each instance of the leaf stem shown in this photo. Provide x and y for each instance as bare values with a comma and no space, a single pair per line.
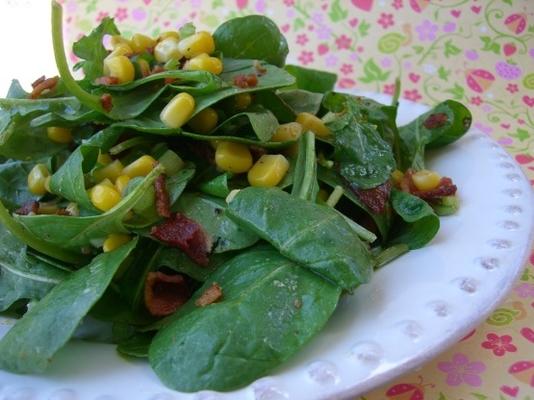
390,254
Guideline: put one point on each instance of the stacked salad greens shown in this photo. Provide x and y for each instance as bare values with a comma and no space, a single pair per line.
216,246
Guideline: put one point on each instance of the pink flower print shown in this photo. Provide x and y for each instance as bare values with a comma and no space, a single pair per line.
289,3
347,69
499,344
525,290
260,6
386,20
426,31
306,57
412,95
343,42
461,370
389,89
476,100
121,13
512,88
449,27
354,22
241,4
346,83
101,15
331,60
302,39
397,4
139,14
529,101
508,71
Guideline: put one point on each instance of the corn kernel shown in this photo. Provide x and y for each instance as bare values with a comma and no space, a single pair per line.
142,68
104,197
242,101
201,42
203,62
120,50
205,121
268,171
110,171
178,111
37,179
167,50
286,132
121,182
426,180
171,162
140,167
104,159
169,34
107,182
117,40
58,134
310,122
397,176
121,68
139,43
114,241
233,157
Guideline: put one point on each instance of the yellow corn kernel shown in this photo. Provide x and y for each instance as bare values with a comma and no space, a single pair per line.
122,49
140,43
110,171
205,121
268,171
117,40
114,241
397,176
426,180
310,122
37,179
140,167
121,182
203,62
169,34
167,50
143,68
104,197
58,134
178,111
107,182
104,159
233,157
201,42
285,132
242,101
120,67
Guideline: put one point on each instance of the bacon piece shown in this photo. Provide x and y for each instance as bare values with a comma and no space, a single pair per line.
211,295
38,81
445,188
246,81
184,233
107,80
28,208
260,69
168,81
157,69
45,84
436,121
164,294
163,206
376,198
106,101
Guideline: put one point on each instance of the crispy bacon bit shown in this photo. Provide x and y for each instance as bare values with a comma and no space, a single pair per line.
246,81
436,121
164,294
163,206
445,188
28,208
107,80
184,233
46,84
168,81
376,198
260,69
106,101
211,295
38,81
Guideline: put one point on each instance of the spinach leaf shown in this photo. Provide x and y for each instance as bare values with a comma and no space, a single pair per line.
128,105
217,186
305,184
312,80
30,345
254,37
23,276
302,100
91,49
271,307
136,345
210,213
444,124
420,223
16,91
313,235
14,183
273,102
262,121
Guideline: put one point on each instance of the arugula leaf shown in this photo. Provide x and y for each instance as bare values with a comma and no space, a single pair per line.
312,80
420,222
313,235
14,183
91,49
262,121
302,100
254,37
270,309
30,345
305,184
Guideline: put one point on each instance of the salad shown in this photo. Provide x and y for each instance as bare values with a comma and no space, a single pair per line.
208,203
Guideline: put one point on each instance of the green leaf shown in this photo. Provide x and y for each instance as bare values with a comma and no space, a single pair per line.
418,49
217,186
302,100
457,92
521,134
253,37
390,42
420,223
312,80
274,102
262,121
443,73
315,236
30,345
298,24
373,73
363,28
14,183
305,184
91,49
187,30
509,2
262,292
128,105
490,45
337,12
450,49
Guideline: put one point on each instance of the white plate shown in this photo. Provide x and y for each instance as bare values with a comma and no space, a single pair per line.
412,310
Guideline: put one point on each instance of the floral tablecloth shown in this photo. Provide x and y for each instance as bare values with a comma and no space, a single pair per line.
478,52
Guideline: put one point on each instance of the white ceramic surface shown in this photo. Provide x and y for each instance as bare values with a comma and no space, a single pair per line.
413,309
